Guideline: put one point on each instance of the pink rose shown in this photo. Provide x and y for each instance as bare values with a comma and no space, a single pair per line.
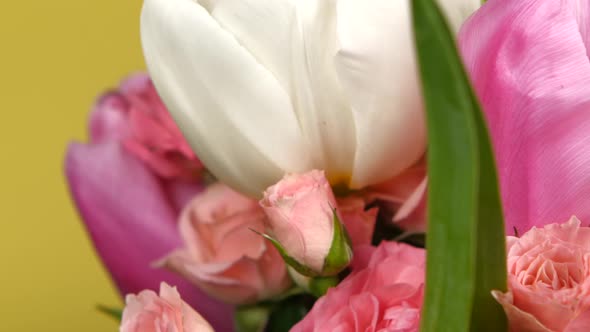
359,223
549,279
300,210
148,312
135,115
383,293
222,254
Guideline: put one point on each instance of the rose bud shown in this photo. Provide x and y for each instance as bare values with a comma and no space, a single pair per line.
305,226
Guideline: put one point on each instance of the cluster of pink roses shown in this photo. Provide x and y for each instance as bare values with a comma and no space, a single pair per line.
148,203
549,275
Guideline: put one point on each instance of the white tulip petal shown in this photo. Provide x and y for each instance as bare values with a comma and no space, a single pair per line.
233,111
377,68
296,40
264,27
322,108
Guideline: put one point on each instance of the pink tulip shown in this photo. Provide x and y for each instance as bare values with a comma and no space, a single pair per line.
222,254
549,277
150,312
129,210
528,60
383,293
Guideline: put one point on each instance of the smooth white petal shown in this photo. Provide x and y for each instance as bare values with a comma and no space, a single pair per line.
322,108
296,40
233,111
264,27
377,67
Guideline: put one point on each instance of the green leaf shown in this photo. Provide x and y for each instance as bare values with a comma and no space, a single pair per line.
115,313
490,267
466,243
340,253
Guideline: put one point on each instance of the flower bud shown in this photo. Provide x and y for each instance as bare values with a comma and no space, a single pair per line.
305,225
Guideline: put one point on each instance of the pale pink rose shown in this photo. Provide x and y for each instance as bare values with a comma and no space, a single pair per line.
222,255
148,312
135,115
359,223
549,279
300,210
405,196
383,293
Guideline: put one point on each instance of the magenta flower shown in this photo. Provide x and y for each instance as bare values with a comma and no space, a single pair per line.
529,63
128,202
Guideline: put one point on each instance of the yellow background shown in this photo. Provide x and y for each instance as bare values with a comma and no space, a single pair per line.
55,57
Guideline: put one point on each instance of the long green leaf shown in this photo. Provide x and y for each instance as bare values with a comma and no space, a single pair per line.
491,274
466,251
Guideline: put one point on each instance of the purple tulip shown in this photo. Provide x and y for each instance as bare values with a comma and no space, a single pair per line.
529,63
129,184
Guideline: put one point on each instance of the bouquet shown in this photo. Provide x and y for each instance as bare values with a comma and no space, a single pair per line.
346,165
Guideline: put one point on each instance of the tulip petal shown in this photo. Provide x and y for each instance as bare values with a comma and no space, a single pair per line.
249,21
299,51
530,68
377,69
130,221
233,111
108,120
322,107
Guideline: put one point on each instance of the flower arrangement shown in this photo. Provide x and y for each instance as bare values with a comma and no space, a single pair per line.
346,165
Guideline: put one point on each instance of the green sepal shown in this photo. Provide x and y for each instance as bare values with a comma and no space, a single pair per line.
114,313
319,286
292,262
340,253
251,318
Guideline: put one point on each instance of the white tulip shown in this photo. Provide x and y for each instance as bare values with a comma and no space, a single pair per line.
261,88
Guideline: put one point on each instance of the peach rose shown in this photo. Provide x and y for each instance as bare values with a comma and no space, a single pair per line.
549,279
223,256
148,312
383,293
300,210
